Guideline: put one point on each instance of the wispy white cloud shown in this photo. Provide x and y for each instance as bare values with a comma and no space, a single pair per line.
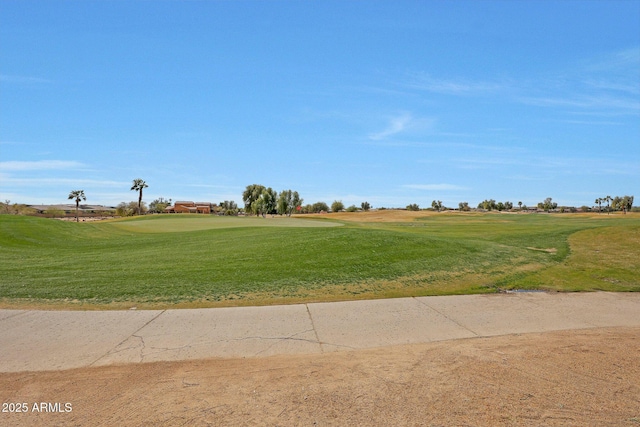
550,167
592,122
490,162
603,102
436,187
40,165
615,86
537,177
400,124
426,82
4,78
396,125
50,182
225,187
606,85
621,61
383,91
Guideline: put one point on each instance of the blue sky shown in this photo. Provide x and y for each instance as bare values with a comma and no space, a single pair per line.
392,102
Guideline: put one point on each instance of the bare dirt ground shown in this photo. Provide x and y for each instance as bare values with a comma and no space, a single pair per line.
570,378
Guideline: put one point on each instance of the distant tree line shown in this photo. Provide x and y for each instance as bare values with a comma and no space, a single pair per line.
262,201
131,208
337,206
615,203
158,205
491,205
228,208
624,203
547,205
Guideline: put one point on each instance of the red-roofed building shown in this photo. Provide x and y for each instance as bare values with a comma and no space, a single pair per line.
190,207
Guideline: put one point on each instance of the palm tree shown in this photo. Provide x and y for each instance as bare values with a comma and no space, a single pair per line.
77,195
520,205
608,199
599,203
138,185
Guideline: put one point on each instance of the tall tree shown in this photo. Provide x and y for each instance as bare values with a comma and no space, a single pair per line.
77,195
627,203
337,206
251,195
548,204
265,203
229,207
288,201
616,204
487,204
138,185
319,207
126,209
159,205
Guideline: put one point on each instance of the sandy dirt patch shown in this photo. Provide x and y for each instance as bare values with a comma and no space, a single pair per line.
569,378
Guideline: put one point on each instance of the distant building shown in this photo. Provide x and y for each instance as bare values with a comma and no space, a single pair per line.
190,207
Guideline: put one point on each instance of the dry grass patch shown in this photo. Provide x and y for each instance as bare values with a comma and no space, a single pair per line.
547,250
600,259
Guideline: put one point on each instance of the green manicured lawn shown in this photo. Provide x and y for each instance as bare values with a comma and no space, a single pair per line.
178,223
207,260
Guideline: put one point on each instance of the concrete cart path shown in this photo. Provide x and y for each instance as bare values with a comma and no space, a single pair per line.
54,340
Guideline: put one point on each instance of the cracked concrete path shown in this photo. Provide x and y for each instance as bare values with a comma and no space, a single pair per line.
55,340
